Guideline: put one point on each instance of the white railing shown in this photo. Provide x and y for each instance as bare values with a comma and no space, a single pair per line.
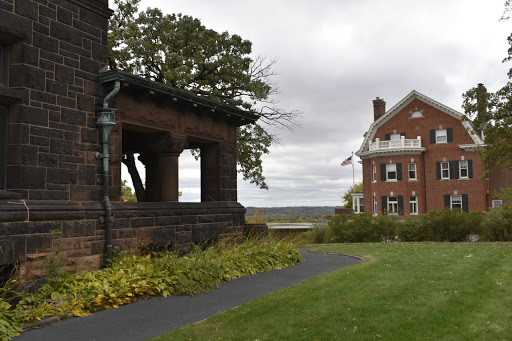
395,144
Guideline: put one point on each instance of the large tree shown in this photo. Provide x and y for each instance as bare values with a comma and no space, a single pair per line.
491,115
178,50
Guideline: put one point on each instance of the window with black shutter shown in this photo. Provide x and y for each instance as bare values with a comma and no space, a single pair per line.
452,169
400,205
465,203
399,171
383,172
384,204
470,169
449,132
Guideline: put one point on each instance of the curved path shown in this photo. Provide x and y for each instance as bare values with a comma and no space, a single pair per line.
158,315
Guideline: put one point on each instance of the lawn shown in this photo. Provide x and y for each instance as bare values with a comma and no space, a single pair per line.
402,292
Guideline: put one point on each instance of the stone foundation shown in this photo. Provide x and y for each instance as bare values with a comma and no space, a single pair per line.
30,232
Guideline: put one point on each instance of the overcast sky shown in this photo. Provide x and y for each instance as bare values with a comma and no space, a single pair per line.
334,58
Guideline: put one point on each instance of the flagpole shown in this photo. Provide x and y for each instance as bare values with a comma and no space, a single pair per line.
353,176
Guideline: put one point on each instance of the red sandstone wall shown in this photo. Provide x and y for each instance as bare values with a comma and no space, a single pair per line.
57,48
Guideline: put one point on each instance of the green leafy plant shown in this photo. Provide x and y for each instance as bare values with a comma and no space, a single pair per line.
131,277
10,326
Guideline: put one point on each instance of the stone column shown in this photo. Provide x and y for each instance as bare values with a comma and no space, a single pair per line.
162,174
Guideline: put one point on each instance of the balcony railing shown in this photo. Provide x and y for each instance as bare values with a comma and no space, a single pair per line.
403,143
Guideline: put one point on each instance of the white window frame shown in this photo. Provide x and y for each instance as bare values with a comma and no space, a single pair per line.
497,203
374,173
393,205
358,204
443,169
413,205
409,170
456,201
375,206
391,168
441,136
463,165
395,137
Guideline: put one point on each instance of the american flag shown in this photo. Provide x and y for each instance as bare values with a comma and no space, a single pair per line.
347,161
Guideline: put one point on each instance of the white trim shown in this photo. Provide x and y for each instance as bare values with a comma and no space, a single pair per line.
370,134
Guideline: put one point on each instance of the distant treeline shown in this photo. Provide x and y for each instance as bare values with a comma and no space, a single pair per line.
293,214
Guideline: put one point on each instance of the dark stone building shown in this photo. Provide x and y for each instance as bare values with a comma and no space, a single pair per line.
53,179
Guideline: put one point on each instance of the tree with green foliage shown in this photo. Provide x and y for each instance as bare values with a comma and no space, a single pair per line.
257,218
491,115
347,197
179,51
126,193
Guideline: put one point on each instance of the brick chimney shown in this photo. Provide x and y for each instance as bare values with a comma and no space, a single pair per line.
379,108
481,100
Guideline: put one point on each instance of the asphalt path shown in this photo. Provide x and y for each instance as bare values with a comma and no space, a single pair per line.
153,317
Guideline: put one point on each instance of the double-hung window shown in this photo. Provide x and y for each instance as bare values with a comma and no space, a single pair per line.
413,205
441,136
412,171
445,170
374,173
391,171
456,201
392,205
463,169
375,205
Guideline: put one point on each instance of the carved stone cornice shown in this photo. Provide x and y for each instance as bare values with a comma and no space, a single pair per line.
168,144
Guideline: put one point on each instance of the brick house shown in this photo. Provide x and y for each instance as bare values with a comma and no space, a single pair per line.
60,176
419,156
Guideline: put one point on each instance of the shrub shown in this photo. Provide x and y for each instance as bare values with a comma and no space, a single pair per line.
444,225
319,234
411,230
498,225
386,227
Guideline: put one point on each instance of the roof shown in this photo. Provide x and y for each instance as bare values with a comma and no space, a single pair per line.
370,134
237,116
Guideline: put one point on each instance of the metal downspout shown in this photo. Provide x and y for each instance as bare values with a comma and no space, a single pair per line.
105,121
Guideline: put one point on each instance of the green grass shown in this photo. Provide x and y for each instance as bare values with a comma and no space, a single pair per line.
402,292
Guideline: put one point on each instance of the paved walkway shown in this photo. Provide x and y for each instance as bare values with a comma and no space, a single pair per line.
155,316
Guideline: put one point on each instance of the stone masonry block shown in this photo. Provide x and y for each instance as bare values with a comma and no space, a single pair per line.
62,176
61,147
66,33
64,74
27,8
74,117
12,249
78,229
